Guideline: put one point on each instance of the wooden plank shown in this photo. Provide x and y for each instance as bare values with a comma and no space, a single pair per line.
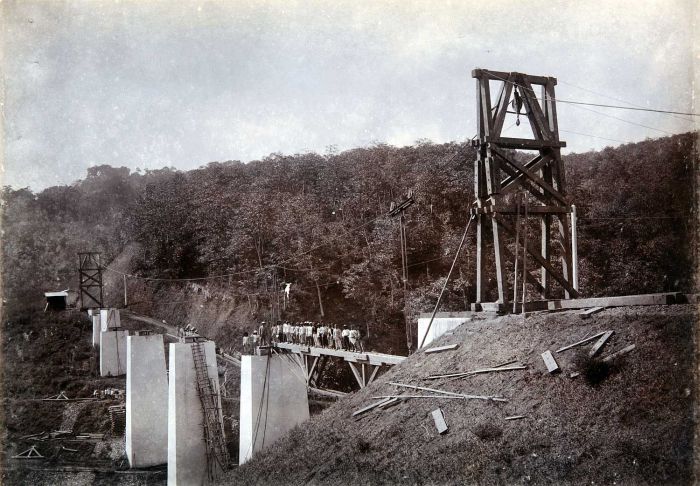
477,372
549,360
589,312
442,348
369,407
447,397
624,350
600,343
524,143
617,301
498,258
511,209
582,341
439,419
502,107
374,374
476,397
515,417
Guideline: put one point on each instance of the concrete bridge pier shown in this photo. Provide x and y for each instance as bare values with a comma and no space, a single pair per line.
113,352
187,450
273,400
146,400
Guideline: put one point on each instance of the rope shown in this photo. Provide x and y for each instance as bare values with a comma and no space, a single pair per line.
437,305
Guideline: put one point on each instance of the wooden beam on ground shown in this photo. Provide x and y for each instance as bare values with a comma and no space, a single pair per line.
582,341
551,363
600,343
477,372
589,312
442,348
617,301
515,417
369,407
624,350
476,397
439,419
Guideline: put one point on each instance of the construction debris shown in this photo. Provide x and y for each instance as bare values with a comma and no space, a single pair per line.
60,396
624,350
69,450
30,453
600,343
515,417
441,348
552,365
583,341
117,416
475,397
589,312
439,419
477,372
370,407
398,397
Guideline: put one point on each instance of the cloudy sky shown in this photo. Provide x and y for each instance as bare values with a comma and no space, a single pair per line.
147,84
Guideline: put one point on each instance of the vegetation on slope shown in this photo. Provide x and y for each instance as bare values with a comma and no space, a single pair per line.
320,222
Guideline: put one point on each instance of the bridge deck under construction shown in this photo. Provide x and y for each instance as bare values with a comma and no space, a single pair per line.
364,366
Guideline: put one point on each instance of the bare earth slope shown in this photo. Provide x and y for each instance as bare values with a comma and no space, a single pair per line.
635,427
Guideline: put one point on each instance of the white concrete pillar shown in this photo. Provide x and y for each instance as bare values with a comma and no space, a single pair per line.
440,326
274,389
187,462
113,353
96,330
146,401
110,319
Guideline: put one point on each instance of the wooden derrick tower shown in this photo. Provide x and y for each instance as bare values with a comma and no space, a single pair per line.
499,172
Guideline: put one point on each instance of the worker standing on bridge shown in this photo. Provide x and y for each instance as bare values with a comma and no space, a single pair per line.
322,335
246,344
353,336
336,337
314,334
345,335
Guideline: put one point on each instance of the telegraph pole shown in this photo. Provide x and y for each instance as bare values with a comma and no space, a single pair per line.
398,210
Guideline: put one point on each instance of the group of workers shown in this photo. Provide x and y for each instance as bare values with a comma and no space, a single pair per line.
305,333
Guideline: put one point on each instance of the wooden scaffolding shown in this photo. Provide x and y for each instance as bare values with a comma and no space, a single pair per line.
499,171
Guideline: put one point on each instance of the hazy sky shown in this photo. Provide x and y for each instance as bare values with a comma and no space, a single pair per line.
148,84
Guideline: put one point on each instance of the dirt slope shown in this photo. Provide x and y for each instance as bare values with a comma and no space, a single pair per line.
634,427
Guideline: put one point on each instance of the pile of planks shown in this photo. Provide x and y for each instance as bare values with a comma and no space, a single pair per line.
117,416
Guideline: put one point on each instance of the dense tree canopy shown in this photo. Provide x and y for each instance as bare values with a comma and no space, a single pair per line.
322,224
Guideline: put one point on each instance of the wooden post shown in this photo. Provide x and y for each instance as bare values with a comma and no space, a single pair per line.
126,302
499,262
479,260
525,231
574,249
515,266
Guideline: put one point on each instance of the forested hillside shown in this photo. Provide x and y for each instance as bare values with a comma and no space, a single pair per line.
321,223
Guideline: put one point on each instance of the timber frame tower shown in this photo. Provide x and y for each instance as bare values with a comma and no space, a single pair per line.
499,172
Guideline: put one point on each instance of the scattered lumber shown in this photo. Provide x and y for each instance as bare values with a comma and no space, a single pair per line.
477,372
549,360
69,450
600,343
60,396
30,453
434,390
582,341
392,401
506,363
515,417
31,436
441,348
370,407
439,419
414,396
589,312
624,350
